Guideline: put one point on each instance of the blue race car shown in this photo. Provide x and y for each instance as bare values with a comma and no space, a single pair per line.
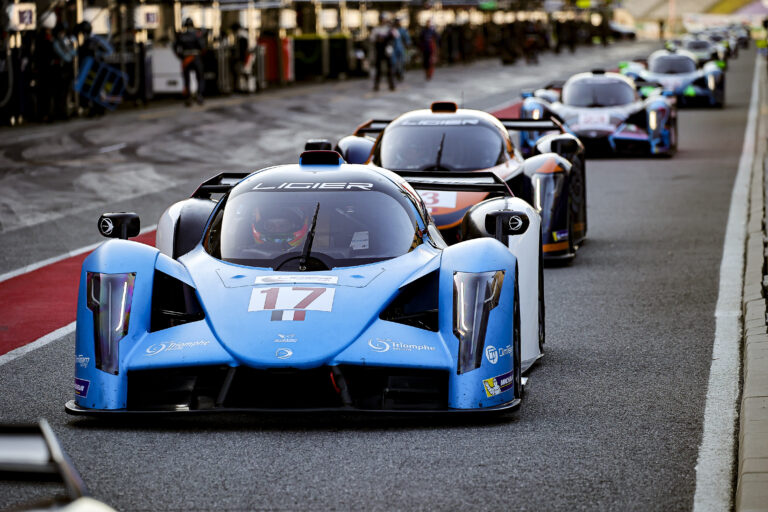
608,113
678,75
317,286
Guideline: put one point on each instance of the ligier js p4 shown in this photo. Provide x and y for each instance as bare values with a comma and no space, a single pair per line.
317,286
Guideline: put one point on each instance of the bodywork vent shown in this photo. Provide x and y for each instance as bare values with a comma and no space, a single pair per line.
173,303
416,304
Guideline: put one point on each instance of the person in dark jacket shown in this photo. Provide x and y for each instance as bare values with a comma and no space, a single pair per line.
430,42
64,51
189,48
383,39
44,70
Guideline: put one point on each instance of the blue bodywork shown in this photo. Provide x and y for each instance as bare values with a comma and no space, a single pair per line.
235,332
700,86
645,126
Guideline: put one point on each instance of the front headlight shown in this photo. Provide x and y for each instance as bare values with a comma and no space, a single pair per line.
711,82
109,298
653,121
475,294
536,113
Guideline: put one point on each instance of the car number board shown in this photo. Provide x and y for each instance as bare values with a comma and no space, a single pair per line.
438,199
594,119
291,302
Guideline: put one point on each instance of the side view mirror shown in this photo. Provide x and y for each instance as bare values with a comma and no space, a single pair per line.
506,223
122,225
527,94
564,146
668,93
318,144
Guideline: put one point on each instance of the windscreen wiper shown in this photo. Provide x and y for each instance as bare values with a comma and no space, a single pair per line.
440,151
308,242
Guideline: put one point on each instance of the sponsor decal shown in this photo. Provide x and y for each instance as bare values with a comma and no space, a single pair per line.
359,241
157,348
341,185
493,354
82,361
81,387
559,236
283,353
499,384
285,338
106,226
386,344
441,122
281,279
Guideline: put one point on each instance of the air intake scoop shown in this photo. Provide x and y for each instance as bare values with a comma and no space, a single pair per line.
443,106
319,157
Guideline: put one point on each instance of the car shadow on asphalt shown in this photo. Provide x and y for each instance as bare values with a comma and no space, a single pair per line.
295,421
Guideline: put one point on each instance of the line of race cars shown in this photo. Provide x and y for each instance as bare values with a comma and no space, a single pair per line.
399,269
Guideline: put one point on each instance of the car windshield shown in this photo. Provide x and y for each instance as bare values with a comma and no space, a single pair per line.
419,147
591,92
697,45
270,228
672,64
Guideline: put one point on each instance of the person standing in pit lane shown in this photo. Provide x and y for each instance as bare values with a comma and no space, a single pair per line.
189,48
401,44
64,50
383,39
430,42
44,69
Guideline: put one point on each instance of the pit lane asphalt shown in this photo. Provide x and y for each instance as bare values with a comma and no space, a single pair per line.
612,418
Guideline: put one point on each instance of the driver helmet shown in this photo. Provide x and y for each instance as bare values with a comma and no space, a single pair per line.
281,225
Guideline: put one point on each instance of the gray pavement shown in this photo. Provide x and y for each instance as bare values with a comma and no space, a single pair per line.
613,416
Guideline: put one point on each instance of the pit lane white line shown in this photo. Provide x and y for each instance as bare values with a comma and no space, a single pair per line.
40,342
716,460
58,333
34,266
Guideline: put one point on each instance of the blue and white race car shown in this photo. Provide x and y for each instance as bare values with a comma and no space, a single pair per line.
678,74
317,286
607,112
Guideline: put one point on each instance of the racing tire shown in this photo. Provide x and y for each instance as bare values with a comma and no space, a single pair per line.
571,243
578,201
542,315
720,96
672,141
516,342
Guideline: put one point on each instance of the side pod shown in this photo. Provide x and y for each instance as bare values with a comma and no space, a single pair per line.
550,176
113,309
355,149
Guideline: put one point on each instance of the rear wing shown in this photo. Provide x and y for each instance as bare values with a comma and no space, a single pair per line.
457,181
555,84
219,184
533,125
372,127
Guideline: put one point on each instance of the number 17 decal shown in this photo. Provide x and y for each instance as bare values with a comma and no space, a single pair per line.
291,303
